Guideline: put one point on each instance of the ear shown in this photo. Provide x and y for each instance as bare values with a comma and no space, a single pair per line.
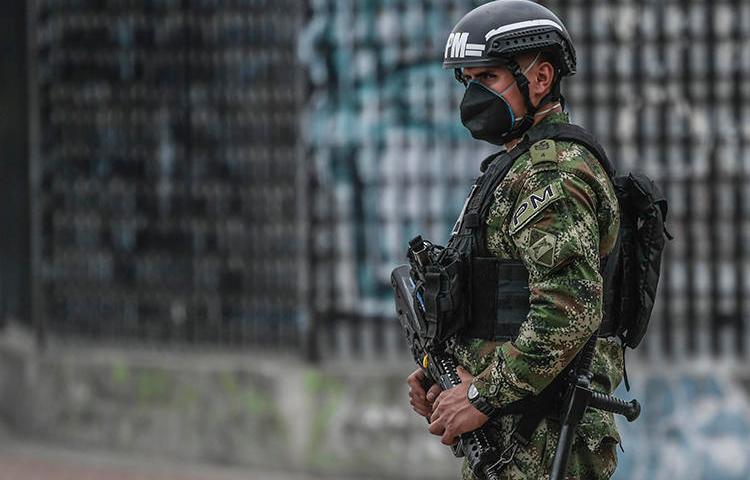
542,80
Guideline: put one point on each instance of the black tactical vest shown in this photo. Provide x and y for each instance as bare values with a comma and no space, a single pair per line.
497,291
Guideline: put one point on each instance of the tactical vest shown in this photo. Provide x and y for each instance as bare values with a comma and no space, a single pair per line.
496,291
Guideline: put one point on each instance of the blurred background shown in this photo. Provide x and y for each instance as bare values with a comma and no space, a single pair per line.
203,200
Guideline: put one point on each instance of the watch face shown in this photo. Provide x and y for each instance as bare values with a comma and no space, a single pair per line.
473,392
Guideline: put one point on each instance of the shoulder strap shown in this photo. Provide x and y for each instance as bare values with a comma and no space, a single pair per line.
495,168
568,132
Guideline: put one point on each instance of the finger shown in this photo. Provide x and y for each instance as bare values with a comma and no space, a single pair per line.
417,388
448,438
423,408
464,375
414,385
435,415
433,392
415,376
439,399
418,396
420,411
418,403
436,428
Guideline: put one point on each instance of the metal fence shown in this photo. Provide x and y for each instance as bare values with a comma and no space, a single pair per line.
226,171
167,169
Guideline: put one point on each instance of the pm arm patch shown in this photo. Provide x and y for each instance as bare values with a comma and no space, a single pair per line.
528,207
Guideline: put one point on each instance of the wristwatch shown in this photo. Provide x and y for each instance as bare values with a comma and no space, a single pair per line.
479,402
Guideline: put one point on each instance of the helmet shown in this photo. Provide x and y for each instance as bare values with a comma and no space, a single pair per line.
495,32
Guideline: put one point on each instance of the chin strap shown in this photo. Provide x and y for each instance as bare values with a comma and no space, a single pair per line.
523,86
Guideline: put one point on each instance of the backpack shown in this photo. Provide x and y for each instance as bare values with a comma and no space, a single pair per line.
633,276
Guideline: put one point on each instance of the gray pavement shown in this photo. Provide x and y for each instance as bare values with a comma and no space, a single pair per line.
26,460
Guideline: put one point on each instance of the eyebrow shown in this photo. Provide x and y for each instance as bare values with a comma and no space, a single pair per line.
476,74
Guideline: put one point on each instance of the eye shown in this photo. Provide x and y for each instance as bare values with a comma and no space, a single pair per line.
487,76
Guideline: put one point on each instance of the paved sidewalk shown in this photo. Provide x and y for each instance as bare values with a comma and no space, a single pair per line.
23,460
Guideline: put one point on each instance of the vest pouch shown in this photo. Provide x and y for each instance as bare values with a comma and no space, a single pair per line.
497,313
438,299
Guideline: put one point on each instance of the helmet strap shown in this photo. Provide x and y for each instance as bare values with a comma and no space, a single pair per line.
523,86
460,76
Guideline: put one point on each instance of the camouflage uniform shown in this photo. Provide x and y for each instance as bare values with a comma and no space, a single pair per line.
560,234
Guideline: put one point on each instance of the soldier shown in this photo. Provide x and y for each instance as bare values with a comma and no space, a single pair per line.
555,211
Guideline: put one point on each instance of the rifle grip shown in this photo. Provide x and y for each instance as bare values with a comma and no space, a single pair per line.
427,382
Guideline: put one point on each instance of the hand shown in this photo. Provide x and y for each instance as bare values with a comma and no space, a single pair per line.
453,414
420,400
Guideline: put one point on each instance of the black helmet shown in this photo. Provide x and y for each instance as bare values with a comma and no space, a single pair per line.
495,32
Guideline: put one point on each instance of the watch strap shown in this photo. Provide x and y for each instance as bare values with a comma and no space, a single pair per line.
484,406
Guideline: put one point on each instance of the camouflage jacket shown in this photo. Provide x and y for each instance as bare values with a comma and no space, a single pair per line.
560,239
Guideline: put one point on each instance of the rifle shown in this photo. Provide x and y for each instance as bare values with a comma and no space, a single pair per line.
479,447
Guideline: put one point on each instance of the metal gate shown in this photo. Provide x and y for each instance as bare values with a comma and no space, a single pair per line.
166,170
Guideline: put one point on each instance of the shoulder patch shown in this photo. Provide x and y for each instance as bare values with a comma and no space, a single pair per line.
543,151
541,247
529,206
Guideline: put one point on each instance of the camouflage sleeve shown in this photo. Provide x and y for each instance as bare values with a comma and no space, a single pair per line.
555,231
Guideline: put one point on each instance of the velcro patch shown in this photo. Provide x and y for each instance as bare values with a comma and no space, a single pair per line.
533,204
541,247
543,151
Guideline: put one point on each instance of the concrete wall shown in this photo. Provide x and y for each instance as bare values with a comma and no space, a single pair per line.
233,409
349,419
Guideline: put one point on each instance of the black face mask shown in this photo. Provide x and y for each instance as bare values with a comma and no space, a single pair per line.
487,114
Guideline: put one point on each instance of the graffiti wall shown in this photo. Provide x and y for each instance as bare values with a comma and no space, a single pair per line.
695,424
661,84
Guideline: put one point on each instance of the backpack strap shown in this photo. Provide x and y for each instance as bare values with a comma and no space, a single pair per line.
568,132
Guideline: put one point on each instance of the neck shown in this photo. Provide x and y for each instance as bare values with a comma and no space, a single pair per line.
538,117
